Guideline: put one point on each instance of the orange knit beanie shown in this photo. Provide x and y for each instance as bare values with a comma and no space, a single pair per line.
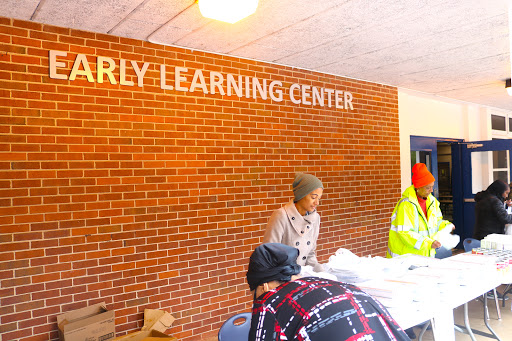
421,176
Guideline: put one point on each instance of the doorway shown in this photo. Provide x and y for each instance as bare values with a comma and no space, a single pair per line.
436,153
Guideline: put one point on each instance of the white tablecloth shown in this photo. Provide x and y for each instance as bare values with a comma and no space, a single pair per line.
433,290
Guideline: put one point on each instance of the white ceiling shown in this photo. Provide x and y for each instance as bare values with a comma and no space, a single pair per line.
458,49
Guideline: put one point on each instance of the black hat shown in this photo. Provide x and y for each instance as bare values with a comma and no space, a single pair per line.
272,262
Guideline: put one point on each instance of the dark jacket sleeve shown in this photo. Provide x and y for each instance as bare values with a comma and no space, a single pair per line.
490,215
501,213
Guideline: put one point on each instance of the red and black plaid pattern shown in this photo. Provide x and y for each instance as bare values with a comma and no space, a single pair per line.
315,309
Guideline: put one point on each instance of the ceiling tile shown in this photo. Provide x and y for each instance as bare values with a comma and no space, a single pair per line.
87,15
18,9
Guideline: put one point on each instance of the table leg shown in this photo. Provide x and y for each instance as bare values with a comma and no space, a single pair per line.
486,308
466,323
486,316
423,330
497,304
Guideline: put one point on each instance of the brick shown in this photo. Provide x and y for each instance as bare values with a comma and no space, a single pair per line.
25,165
8,327
136,189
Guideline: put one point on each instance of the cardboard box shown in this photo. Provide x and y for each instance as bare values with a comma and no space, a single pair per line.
93,323
151,335
156,322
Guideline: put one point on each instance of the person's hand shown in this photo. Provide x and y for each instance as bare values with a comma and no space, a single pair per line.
436,244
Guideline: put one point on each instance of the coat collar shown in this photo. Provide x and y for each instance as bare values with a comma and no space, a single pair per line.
410,193
298,221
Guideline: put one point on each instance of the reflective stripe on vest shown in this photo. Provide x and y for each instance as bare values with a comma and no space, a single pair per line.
417,246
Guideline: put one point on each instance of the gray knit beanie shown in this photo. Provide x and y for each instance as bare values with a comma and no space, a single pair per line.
305,184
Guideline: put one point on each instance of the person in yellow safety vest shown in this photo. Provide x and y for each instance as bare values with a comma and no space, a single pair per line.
417,218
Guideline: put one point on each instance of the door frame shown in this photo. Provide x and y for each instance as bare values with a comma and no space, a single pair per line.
426,143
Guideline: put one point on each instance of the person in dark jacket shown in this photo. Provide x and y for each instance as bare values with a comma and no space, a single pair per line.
290,308
490,212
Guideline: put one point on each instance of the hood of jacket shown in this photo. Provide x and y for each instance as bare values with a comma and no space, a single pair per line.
481,195
496,189
410,193
484,195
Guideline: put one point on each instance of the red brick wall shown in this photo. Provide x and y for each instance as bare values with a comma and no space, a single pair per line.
151,198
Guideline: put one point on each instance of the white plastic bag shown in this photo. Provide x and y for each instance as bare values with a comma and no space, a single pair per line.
508,229
307,271
448,240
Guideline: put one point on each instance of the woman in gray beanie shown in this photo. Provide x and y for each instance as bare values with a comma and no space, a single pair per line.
297,223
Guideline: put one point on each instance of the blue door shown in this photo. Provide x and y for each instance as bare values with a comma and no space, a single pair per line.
475,166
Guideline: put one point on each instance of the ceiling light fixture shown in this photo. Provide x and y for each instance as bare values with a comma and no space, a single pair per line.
508,86
229,11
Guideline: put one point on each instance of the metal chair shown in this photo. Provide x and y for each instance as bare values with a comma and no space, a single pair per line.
443,252
470,244
239,332
508,290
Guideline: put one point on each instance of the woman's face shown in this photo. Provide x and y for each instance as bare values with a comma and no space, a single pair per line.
425,190
311,201
505,194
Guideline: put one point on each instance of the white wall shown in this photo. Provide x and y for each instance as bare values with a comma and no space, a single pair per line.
426,115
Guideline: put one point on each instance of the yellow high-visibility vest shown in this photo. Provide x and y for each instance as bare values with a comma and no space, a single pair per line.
411,231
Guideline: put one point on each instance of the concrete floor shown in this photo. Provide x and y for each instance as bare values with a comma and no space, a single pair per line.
502,328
